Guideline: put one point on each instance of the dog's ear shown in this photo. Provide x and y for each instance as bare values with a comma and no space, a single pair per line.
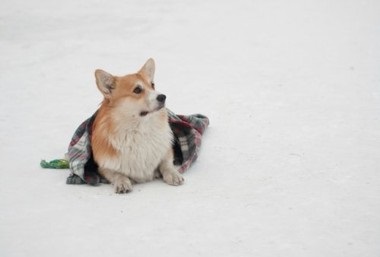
105,82
148,69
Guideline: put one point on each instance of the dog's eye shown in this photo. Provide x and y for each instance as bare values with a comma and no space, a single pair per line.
153,85
138,90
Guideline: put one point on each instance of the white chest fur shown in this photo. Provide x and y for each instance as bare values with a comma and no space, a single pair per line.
140,148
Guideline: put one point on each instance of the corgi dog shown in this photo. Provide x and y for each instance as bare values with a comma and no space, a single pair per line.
131,137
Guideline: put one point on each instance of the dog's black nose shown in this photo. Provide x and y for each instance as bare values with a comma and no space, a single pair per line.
161,98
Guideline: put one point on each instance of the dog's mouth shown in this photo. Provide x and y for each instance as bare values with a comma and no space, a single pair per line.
145,113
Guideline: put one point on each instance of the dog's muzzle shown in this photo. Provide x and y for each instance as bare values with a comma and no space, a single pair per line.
161,103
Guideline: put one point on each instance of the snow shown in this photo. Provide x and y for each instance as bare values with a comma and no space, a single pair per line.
288,167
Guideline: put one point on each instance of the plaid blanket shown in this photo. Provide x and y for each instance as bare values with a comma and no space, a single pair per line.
187,131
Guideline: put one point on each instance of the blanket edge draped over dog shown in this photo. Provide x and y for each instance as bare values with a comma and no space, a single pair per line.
187,133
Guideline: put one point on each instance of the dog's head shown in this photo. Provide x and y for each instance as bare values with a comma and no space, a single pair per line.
135,93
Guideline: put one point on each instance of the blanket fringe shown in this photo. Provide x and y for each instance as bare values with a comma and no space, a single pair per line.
55,164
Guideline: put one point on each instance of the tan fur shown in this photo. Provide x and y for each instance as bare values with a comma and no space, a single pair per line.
131,137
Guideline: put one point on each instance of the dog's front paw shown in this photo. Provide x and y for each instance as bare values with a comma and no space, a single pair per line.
122,185
173,178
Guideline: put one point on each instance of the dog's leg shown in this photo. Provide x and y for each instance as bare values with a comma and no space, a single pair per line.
169,173
121,183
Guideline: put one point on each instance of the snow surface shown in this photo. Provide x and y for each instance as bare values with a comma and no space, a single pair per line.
289,166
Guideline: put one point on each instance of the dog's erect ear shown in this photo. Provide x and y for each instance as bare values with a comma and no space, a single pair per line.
148,69
105,82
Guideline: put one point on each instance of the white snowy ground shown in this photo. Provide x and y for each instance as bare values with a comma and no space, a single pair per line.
289,166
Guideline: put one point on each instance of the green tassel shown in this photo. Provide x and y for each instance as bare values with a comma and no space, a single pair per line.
55,164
